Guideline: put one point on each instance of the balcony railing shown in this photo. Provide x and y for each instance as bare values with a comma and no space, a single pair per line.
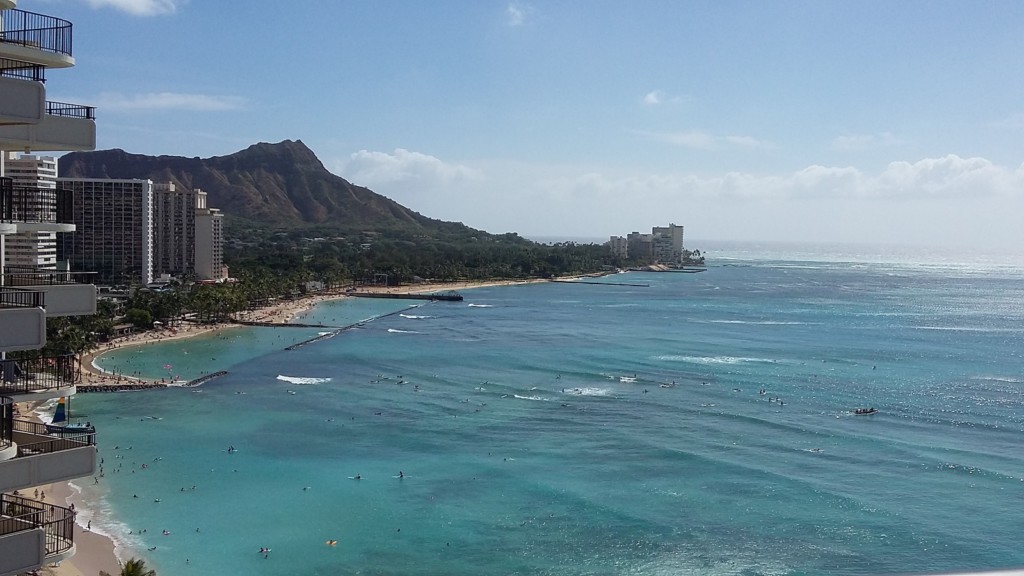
36,31
22,70
37,374
21,298
6,422
57,443
20,514
28,276
65,110
29,204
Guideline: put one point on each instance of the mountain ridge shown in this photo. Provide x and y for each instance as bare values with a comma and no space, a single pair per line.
279,184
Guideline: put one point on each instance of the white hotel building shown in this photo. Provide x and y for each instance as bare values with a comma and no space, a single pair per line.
34,531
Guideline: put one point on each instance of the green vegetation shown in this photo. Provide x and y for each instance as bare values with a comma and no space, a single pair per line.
133,567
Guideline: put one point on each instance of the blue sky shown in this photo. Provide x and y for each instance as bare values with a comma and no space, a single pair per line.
893,122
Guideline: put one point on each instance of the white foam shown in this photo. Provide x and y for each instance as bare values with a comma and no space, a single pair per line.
714,359
414,316
481,305
397,331
537,398
301,380
588,391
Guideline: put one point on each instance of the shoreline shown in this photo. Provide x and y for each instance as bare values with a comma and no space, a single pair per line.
94,551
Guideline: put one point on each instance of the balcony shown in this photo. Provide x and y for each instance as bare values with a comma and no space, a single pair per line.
35,209
33,533
23,102
66,293
35,39
35,458
40,377
55,132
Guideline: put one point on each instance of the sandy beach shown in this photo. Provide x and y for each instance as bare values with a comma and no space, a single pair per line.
95,552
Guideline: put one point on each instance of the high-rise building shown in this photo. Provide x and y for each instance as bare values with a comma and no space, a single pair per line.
174,230
115,229
667,244
209,241
34,532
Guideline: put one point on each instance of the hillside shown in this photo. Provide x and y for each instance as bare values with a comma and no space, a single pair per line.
281,184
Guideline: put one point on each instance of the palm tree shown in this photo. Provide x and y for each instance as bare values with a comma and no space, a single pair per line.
133,567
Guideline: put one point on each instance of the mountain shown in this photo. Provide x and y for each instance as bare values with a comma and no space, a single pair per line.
281,184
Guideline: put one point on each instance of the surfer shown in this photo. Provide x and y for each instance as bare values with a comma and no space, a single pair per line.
401,474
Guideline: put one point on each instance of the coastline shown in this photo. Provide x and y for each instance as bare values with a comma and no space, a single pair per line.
94,551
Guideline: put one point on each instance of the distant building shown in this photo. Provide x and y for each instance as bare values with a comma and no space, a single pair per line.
174,230
114,219
667,244
639,246
34,179
619,247
209,245
664,245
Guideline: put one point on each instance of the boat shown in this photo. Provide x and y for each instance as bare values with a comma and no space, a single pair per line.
865,411
61,424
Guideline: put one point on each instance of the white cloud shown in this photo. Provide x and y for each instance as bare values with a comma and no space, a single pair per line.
139,7
405,168
517,13
659,97
947,177
860,142
155,101
654,97
699,140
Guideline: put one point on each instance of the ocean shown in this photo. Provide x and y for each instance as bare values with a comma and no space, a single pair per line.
693,424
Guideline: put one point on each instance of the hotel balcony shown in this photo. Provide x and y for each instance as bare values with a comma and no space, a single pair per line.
33,533
39,377
24,102
65,127
35,38
23,319
66,293
32,209
35,458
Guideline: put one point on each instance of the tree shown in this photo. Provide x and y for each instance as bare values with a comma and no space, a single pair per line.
140,318
133,567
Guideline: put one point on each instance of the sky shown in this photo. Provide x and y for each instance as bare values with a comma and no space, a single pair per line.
817,121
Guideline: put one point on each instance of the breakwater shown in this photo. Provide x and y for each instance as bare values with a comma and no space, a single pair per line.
601,283
132,387
442,296
337,331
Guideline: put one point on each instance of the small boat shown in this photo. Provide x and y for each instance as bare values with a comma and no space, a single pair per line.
61,425
865,411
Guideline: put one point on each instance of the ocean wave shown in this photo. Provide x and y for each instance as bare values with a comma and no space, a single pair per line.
397,331
1006,379
714,359
536,398
481,305
414,316
588,391
970,329
302,380
758,322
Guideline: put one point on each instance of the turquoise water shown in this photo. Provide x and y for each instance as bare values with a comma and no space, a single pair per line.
540,432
